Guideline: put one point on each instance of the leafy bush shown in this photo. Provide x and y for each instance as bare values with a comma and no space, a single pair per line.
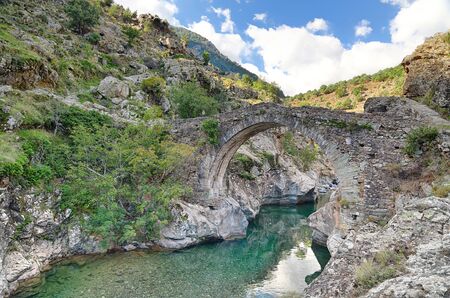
211,128
341,90
82,14
73,117
419,138
244,166
206,57
190,101
120,13
119,177
152,113
131,33
388,73
39,156
93,38
154,86
345,104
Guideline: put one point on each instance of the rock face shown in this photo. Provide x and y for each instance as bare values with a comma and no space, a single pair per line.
420,231
428,71
195,224
29,244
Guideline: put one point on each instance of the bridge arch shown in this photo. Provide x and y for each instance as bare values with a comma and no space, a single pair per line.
237,130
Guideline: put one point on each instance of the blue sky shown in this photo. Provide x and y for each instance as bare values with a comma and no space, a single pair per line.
302,44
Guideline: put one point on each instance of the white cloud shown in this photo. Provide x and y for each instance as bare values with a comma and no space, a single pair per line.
299,60
166,9
317,25
363,28
228,24
419,20
260,17
231,45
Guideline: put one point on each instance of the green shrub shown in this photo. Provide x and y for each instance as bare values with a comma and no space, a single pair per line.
128,16
269,157
345,104
441,191
154,86
211,128
341,90
93,38
419,138
73,117
152,113
190,101
82,14
131,33
206,57
119,178
246,175
388,73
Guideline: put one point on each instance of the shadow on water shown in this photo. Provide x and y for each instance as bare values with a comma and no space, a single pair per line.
276,254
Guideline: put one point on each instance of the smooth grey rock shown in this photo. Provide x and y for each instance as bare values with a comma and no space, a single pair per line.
111,87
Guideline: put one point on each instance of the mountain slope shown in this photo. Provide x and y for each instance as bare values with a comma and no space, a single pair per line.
198,44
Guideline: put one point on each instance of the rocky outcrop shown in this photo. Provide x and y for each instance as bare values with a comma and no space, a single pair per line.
428,71
194,224
418,234
33,235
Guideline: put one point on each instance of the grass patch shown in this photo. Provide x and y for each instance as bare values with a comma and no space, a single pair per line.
385,265
352,126
10,149
18,49
419,139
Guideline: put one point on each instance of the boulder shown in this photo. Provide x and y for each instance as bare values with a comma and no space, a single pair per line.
111,87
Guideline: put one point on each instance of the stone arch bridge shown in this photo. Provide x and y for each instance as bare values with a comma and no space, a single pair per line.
358,145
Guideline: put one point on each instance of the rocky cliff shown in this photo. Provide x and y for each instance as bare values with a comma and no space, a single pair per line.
45,66
428,72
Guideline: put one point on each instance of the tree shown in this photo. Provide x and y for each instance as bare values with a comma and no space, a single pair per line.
82,14
206,57
190,101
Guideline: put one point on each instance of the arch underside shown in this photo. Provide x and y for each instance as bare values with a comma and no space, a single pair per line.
345,171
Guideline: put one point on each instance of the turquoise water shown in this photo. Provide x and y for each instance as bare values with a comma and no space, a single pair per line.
275,259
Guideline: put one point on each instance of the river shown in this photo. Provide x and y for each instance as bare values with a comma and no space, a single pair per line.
276,259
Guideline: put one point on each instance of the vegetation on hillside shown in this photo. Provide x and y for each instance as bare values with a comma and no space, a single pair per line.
351,94
117,175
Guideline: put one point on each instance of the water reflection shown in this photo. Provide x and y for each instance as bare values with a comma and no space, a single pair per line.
276,258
